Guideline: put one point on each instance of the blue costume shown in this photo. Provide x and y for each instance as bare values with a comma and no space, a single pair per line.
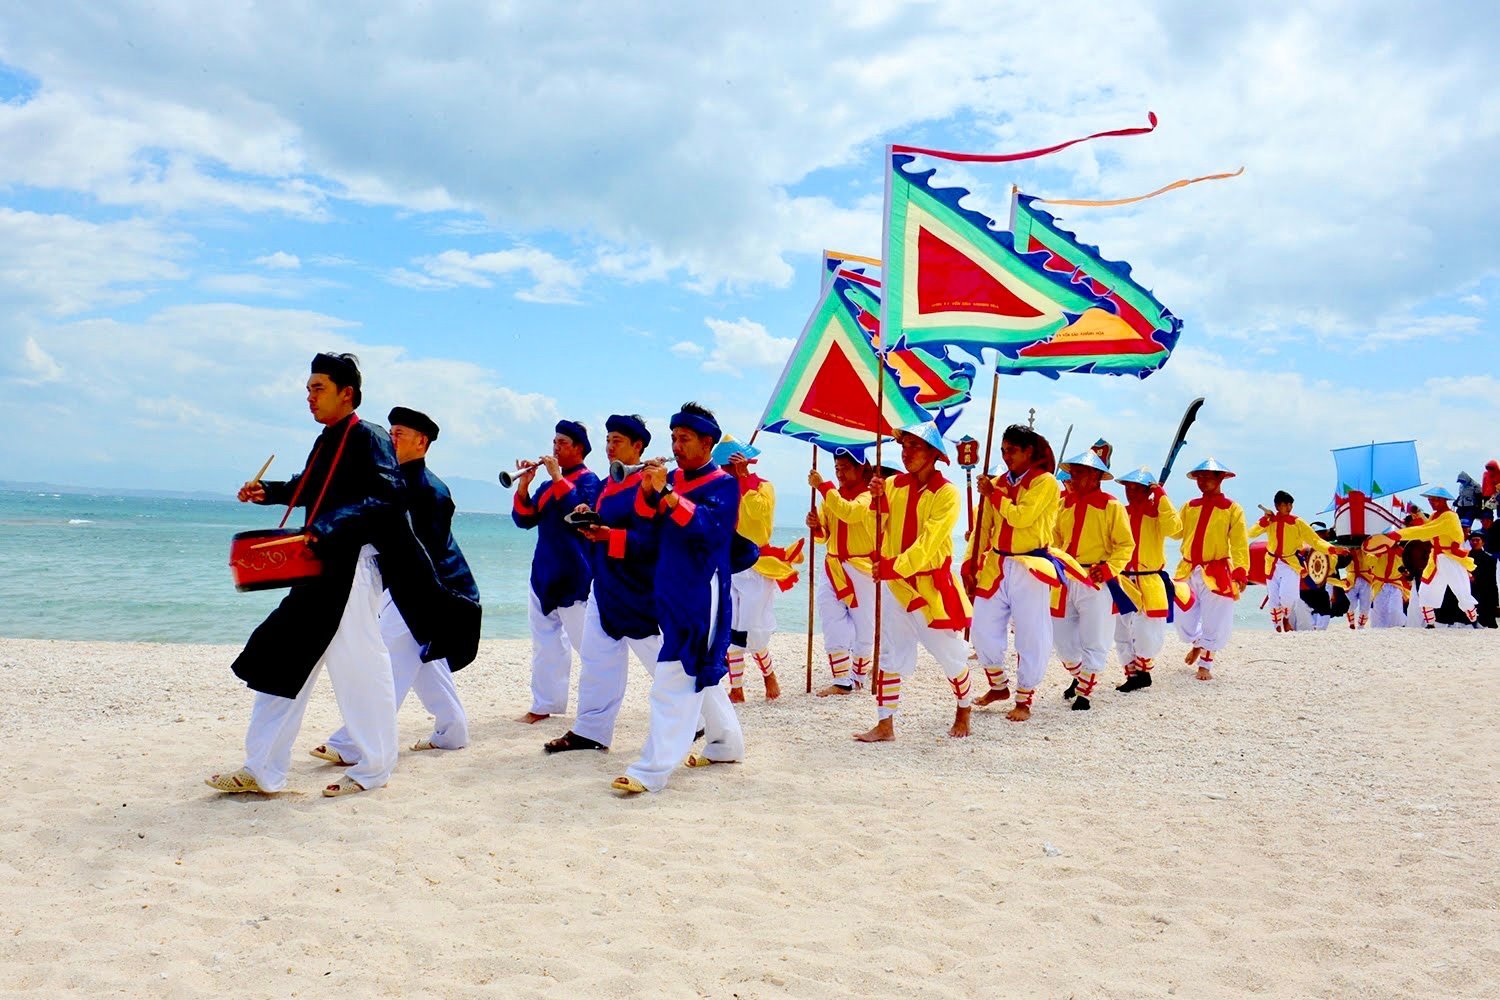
693,571
625,566
560,568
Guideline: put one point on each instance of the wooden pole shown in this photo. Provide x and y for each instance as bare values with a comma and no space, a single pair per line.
812,572
989,444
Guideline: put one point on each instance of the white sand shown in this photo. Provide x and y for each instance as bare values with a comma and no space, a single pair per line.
1320,821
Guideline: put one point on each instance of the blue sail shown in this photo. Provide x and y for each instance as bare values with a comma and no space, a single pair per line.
1377,470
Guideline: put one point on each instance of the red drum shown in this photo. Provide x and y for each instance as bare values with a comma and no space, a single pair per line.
1258,562
271,558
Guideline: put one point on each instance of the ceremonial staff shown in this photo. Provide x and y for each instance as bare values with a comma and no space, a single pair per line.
812,572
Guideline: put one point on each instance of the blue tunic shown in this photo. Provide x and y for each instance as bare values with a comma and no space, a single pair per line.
625,565
560,570
692,570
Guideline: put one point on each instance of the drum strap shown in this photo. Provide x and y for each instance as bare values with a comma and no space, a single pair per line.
301,482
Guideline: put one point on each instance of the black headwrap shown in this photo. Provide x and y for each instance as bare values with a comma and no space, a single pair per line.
342,369
415,419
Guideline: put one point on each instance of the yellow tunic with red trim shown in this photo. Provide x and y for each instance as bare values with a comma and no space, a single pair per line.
1093,529
1447,536
1286,535
1018,517
1152,522
757,513
916,548
847,531
1214,537
1384,566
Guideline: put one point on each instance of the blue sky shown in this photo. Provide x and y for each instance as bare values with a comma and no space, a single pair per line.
517,212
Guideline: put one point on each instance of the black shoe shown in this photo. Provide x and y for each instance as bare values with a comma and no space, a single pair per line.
698,735
1081,704
572,741
1136,681
1071,691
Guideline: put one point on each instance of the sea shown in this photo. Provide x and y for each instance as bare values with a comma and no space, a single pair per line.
97,566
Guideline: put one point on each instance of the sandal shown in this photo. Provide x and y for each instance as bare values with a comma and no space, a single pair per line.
698,760
572,741
239,782
625,783
322,752
344,786
425,745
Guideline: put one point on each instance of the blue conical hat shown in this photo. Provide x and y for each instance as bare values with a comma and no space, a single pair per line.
728,447
1211,464
1141,477
929,433
1089,460
1439,493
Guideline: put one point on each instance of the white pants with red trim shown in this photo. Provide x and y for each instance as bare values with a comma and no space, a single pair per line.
903,631
1361,600
1210,621
1139,635
1449,576
1083,633
1026,602
753,608
603,672
432,681
360,671
846,629
554,637
1282,589
1386,610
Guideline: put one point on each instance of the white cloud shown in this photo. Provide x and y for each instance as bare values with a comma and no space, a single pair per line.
63,266
553,280
263,285
687,349
744,344
38,365
279,261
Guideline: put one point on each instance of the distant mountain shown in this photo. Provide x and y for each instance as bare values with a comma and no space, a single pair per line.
111,491
479,496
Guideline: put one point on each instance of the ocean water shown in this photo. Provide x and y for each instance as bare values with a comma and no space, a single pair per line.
100,567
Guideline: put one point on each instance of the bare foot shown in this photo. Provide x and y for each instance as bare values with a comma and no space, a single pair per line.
960,727
1204,674
773,687
737,695
884,731
1019,713
993,695
531,718
1192,655
833,690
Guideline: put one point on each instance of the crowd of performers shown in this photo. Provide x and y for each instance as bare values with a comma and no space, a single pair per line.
676,566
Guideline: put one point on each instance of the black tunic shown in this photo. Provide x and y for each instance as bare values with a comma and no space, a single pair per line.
362,505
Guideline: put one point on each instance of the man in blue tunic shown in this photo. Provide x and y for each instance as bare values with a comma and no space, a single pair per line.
696,512
621,614
560,570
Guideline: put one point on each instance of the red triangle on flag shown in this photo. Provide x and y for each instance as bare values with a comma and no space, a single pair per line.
838,394
950,280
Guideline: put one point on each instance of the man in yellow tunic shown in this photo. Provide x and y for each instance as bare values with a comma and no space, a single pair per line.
754,588
1140,634
1388,588
1215,565
1092,527
923,603
1286,535
845,524
1449,566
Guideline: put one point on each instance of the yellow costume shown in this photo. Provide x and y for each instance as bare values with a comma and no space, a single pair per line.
847,530
757,512
1144,577
1214,537
917,549
1286,535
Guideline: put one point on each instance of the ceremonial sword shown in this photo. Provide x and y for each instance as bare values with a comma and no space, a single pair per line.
1181,438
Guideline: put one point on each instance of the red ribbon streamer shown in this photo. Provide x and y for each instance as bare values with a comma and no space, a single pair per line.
1010,157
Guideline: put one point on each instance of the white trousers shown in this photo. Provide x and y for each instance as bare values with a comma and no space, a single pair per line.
676,710
603,672
1083,633
753,608
846,629
1282,589
554,637
1026,602
432,681
1138,634
903,631
360,670
1386,611
1360,598
1449,576
1209,622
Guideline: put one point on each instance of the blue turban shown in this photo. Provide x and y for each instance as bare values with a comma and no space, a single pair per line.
577,432
630,425
697,424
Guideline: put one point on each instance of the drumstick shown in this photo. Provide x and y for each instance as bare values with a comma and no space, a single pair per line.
281,541
263,469
1269,511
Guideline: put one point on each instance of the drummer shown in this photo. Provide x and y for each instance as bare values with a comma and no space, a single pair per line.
351,486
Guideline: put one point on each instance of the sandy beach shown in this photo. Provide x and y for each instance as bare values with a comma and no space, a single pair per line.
1319,821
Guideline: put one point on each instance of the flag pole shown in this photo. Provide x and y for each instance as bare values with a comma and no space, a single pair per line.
885,337
812,573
